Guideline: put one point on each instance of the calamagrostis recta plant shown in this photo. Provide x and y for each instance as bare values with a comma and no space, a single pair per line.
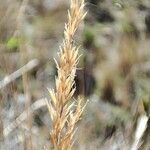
64,112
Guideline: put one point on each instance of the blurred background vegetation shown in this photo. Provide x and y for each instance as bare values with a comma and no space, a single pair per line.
114,74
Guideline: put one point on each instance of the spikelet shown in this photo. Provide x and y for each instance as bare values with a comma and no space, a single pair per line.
65,113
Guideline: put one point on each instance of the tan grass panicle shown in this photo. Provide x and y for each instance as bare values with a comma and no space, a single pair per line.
64,112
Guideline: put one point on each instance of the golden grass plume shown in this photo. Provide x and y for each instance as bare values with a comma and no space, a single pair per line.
65,113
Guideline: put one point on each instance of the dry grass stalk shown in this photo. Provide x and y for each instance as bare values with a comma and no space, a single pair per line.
141,127
23,116
25,76
26,68
64,113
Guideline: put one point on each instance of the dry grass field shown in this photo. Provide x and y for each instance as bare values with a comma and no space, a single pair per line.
75,80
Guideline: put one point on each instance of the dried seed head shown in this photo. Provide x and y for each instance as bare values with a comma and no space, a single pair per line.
64,113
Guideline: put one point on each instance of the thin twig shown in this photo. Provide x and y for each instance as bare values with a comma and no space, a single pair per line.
26,68
23,116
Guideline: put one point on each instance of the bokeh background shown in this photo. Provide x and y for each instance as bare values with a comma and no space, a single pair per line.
113,74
